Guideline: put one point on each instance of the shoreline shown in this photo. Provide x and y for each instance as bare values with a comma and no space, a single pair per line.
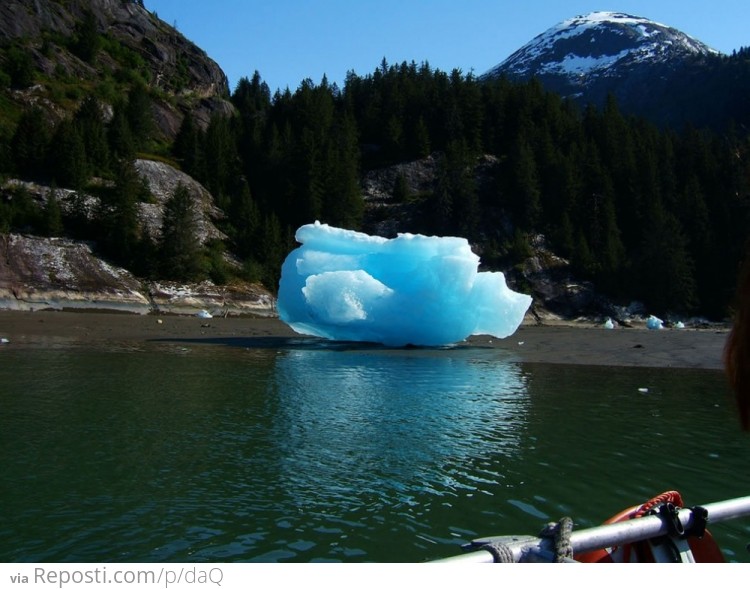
556,342
565,343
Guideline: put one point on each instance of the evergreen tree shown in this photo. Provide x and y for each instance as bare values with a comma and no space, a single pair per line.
462,186
87,42
525,184
187,148
120,137
582,257
394,139
312,155
220,160
274,248
139,115
246,222
89,123
612,255
469,103
6,217
79,221
180,248
311,177
118,216
6,155
30,143
401,191
67,156
252,96
19,67
441,202
420,144
25,214
666,269
52,214
343,200
566,237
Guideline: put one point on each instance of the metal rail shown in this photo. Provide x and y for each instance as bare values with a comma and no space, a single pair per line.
535,549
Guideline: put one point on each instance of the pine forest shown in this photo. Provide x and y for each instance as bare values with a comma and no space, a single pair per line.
644,212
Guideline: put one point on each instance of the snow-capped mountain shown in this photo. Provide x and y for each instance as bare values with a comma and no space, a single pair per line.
596,44
590,56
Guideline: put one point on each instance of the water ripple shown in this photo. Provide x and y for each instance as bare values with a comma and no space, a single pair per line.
336,453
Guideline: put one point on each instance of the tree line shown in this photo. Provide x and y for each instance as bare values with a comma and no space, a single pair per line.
646,213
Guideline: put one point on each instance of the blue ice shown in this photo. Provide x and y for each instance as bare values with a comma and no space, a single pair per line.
654,322
413,289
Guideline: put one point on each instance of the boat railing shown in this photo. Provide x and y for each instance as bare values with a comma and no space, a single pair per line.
542,549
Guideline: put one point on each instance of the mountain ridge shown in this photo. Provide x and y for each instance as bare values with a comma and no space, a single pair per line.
595,42
639,61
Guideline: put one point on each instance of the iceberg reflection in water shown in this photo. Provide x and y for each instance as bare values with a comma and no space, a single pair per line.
383,425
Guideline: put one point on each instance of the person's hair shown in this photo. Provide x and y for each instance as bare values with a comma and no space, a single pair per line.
737,349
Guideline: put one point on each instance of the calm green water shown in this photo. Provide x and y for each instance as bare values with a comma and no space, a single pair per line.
292,450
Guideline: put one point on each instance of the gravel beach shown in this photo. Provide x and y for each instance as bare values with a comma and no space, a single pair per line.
555,343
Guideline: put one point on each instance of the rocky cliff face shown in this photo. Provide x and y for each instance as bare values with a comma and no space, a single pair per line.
175,68
55,273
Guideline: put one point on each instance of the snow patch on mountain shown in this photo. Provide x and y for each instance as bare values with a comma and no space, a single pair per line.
595,43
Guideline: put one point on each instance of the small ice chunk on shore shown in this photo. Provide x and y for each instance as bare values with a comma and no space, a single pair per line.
654,323
349,286
203,314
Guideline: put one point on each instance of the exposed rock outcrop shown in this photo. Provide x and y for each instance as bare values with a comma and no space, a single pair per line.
385,214
237,299
39,273
556,291
162,180
54,273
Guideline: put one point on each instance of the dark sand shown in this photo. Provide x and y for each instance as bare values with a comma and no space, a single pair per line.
564,343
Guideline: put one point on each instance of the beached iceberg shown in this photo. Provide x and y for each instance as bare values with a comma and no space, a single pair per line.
412,289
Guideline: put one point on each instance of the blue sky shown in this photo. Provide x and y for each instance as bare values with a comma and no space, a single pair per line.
290,40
